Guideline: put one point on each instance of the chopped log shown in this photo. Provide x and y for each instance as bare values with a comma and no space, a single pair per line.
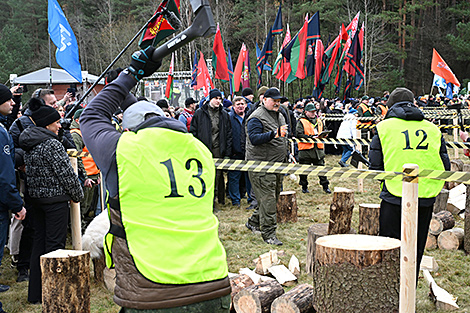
457,198
239,282
287,207
99,264
341,211
297,300
428,263
431,242
294,266
466,241
440,222
443,300
316,231
283,275
65,281
451,239
254,277
265,261
363,271
369,219
257,298
455,166
441,201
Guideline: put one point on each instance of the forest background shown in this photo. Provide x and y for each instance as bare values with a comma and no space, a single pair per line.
399,36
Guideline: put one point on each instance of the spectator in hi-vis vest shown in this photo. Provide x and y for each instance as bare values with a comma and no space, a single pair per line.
404,136
164,237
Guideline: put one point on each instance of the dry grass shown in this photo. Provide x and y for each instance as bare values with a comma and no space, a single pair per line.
242,247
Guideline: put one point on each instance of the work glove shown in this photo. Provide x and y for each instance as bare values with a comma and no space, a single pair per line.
142,64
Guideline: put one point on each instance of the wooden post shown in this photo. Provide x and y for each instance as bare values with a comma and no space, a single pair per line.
75,217
287,207
408,250
356,273
369,219
341,211
456,138
66,281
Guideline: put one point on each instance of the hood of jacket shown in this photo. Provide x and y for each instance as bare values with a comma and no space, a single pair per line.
405,111
33,136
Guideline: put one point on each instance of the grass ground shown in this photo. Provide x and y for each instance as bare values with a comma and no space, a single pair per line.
242,247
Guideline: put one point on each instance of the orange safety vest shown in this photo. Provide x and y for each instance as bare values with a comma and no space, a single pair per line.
309,129
365,108
383,109
88,163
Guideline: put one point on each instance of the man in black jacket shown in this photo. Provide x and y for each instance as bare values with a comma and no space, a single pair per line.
211,125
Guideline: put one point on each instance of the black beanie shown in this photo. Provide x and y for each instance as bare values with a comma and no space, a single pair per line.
247,91
45,115
5,94
214,93
162,103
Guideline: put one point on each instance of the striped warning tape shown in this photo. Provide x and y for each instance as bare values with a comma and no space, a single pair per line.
76,154
365,142
339,172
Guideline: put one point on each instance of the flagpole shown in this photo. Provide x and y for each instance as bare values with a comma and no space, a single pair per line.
77,104
432,87
50,64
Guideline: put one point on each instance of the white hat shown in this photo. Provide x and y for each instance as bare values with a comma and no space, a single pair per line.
135,114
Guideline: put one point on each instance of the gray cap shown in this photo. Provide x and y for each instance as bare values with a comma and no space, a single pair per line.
400,94
135,114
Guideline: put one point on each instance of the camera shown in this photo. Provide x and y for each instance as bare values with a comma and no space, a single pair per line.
72,90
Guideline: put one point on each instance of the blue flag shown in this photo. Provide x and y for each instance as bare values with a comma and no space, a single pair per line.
277,27
262,59
230,72
62,36
194,72
267,66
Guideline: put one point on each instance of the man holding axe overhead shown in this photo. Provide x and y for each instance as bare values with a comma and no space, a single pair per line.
163,239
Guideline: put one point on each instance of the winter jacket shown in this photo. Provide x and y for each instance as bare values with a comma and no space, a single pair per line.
132,289
10,199
50,176
409,112
201,128
347,129
238,136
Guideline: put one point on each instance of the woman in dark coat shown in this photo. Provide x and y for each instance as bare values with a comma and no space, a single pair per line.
51,183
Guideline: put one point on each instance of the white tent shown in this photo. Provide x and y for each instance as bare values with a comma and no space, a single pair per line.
59,76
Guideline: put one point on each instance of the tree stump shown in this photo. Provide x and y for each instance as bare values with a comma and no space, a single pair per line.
356,273
238,283
257,298
99,264
341,211
297,300
287,207
369,219
431,242
316,231
451,239
440,222
441,201
66,281
455,166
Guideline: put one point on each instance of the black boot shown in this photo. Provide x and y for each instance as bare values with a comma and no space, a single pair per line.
326,189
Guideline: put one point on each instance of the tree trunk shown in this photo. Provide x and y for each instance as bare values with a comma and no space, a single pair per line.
363,271
431,242
238,283
455,166
341,211
257,298
369,219
441,201
316,231
65,281
297,300
441,221
98,268
287,207
451,239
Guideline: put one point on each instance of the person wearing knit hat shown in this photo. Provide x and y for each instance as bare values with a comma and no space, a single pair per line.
215,93
11,199
405,136
51,183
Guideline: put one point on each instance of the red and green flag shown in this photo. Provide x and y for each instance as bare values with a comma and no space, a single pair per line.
169,80
239,67
160,28
203,78
282,67
219,58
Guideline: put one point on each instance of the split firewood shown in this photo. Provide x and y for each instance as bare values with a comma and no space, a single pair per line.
283,275
257,279
442,299
294,266
457,198
428,263
441,201
238,283
431,242
265,261
441,221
